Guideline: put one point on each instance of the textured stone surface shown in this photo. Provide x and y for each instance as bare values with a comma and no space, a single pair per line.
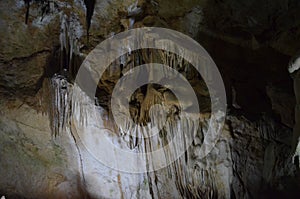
33,164
248,158
252,158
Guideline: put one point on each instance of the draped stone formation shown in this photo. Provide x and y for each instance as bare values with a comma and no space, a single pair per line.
49,125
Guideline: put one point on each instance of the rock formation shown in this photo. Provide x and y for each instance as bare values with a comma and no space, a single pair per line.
43,151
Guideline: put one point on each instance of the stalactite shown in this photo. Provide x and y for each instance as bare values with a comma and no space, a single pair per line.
60,107
73,105
69,47
27,4
90,5
44,6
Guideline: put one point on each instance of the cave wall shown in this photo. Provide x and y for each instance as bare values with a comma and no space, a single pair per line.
251,42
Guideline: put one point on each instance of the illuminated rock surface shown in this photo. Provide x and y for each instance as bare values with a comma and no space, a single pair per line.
42,149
